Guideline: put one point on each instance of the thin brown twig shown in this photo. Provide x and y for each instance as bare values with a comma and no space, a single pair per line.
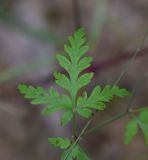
105,123
140,81
139,48
78,138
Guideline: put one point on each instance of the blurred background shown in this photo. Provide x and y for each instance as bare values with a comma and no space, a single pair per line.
32,32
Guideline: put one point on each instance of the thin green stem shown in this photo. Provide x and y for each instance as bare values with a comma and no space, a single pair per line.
105,123
138,109
140,81
79,137
84,132
74,117
73,98
138,50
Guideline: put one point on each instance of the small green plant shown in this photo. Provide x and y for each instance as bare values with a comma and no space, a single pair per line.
75,104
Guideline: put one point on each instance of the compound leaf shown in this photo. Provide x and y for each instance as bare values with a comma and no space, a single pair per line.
92,102
37,94
98,98
74,64
53,100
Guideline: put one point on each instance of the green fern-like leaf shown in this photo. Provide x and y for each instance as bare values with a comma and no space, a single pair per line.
98,99
74,62
37,95
53,100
